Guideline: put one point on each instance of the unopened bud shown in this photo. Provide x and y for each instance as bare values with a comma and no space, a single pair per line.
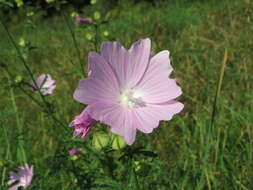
97,15
18,79
93,2
74,157
21,42
106,33
100,140
89,36
118,142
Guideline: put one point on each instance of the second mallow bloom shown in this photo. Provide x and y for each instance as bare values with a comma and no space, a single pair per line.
22,178
129,89
45,83
82,124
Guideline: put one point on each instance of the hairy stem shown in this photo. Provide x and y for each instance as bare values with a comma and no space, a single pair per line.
31,76
96,37
75,43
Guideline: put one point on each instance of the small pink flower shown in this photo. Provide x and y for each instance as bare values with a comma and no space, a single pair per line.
45,83
82,124
83,20
23,176
129,90
74,151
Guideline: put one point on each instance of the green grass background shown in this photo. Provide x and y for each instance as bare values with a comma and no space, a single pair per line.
191,155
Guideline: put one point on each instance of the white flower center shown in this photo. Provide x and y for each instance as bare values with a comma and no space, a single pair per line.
130,99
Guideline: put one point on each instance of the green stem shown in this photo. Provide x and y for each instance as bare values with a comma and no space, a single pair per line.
75,43
136,182
133,179
37,102
30,96
96,37
3,175
24,62
20,150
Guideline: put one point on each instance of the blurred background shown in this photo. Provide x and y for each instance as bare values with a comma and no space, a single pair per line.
201,35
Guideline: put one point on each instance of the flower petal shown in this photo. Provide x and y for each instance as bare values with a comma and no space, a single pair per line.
91,90
128,66
155,85
101,70
15,187
24,176
49,90
13,177
82,123
149,116
45,81
41,79
101,84
120,119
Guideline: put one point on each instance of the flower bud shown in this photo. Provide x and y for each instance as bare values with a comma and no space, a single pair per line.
100,140
83,20
19,3
49,1
30,13
74,14
22,42
89,36
106,33
118,142
97,15
74,152
93,2
18,79
137,166
74,157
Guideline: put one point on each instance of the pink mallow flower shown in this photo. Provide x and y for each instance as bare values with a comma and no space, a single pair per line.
82,124
23,176
83,20
45,83
129,89
74,152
